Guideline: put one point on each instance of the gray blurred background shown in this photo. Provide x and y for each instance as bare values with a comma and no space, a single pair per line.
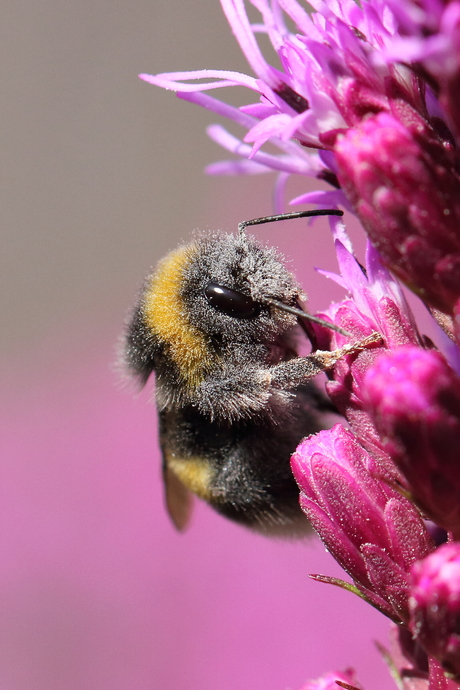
100,172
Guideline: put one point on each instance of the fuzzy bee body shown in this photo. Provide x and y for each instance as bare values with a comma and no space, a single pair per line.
242,469
234,398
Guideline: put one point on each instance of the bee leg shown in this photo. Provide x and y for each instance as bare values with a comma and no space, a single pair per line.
296,371
326,359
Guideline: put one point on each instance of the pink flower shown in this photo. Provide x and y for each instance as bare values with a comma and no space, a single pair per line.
406,192
435,605
370,529
414,401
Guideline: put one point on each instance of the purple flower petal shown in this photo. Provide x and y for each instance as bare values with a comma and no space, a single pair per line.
172,80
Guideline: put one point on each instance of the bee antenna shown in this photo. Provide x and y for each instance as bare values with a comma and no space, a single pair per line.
305,315
288,216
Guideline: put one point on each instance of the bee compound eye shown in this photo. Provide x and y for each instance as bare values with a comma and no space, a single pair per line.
231,302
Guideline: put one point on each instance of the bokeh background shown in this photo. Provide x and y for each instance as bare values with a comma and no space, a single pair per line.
101,174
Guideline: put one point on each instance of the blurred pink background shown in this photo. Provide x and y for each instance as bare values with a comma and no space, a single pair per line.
101,174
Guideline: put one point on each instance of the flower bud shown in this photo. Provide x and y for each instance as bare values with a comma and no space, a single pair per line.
434,605
406,192
371,530
413,397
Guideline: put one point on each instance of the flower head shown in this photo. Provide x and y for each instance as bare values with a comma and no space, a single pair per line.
414,401
435,605
406,193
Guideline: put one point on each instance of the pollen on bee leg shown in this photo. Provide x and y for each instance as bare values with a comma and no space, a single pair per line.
371,339
328,359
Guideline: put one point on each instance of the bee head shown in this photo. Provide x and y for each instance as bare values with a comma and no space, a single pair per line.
206,295
225,285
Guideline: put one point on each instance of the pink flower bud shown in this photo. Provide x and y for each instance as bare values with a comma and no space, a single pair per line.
371,530
406,191
434,605
413,397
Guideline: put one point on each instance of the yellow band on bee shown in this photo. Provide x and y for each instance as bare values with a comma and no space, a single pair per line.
195,473
166,316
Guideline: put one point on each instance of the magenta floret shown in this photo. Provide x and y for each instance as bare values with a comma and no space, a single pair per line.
435,605
413,397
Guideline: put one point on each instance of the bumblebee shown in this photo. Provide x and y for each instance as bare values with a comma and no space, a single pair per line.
218,323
